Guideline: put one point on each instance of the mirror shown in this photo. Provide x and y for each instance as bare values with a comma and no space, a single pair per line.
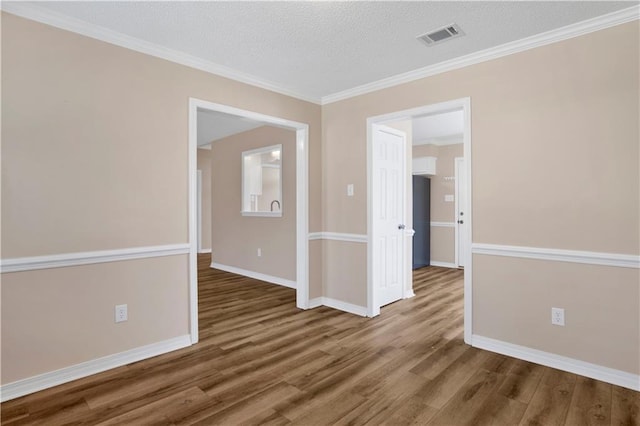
262,181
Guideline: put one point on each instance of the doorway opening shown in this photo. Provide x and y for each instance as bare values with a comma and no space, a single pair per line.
453,191
301,207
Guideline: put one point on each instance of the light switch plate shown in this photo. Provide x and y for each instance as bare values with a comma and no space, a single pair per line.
350,190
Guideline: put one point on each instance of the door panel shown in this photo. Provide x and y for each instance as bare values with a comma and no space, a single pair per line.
389,202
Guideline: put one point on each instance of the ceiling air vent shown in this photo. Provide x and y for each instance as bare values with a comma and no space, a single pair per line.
441,34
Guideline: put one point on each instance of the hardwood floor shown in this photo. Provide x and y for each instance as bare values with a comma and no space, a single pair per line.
262,361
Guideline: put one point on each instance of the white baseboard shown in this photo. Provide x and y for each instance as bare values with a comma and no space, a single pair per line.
598,372
88,368
315,303
408,294
339,305
202,251
255,275
443,264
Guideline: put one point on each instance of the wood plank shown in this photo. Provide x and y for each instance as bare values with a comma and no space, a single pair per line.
412,412
591,403
522,381
469,402
550,403
625,407
163,410
437,392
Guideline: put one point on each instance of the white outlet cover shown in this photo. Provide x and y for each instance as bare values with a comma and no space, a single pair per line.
448,198
121,313
557,316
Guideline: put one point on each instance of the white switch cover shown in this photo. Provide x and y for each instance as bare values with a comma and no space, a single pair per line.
448,198
350,190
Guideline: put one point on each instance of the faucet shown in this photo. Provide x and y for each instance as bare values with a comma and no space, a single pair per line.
275,201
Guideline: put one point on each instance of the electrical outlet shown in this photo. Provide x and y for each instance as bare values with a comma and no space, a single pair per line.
121,313
557,316
259,252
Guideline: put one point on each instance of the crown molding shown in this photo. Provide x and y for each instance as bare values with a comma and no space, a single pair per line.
45,16
570,31
48,17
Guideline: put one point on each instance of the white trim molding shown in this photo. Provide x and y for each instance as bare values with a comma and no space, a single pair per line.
204,251
594,371
443,224
559,255
338,236
442,264
58,20
570,31
255,275
463,104
302,201
339,305
88,368
20,264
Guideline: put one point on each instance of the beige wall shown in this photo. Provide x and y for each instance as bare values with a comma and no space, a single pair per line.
443,244
345,263
53,318
565,98
236,238
442,238
83,117
204,164
511,296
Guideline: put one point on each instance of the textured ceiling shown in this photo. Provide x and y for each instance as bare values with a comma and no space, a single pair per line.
321,48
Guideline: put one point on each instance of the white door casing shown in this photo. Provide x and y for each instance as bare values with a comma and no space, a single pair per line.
461,212
373,308
301,208
388,197
199,192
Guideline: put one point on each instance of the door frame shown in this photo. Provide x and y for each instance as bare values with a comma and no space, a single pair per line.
199,222
302,201
438,108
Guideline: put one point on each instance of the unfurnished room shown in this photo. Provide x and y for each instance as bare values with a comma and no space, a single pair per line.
320,213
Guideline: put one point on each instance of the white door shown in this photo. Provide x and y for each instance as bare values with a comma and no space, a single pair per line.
388,198
461,212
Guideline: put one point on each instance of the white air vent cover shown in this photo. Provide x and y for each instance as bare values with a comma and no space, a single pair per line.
441,34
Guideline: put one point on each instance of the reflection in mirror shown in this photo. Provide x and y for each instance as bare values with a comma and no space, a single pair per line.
262,181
